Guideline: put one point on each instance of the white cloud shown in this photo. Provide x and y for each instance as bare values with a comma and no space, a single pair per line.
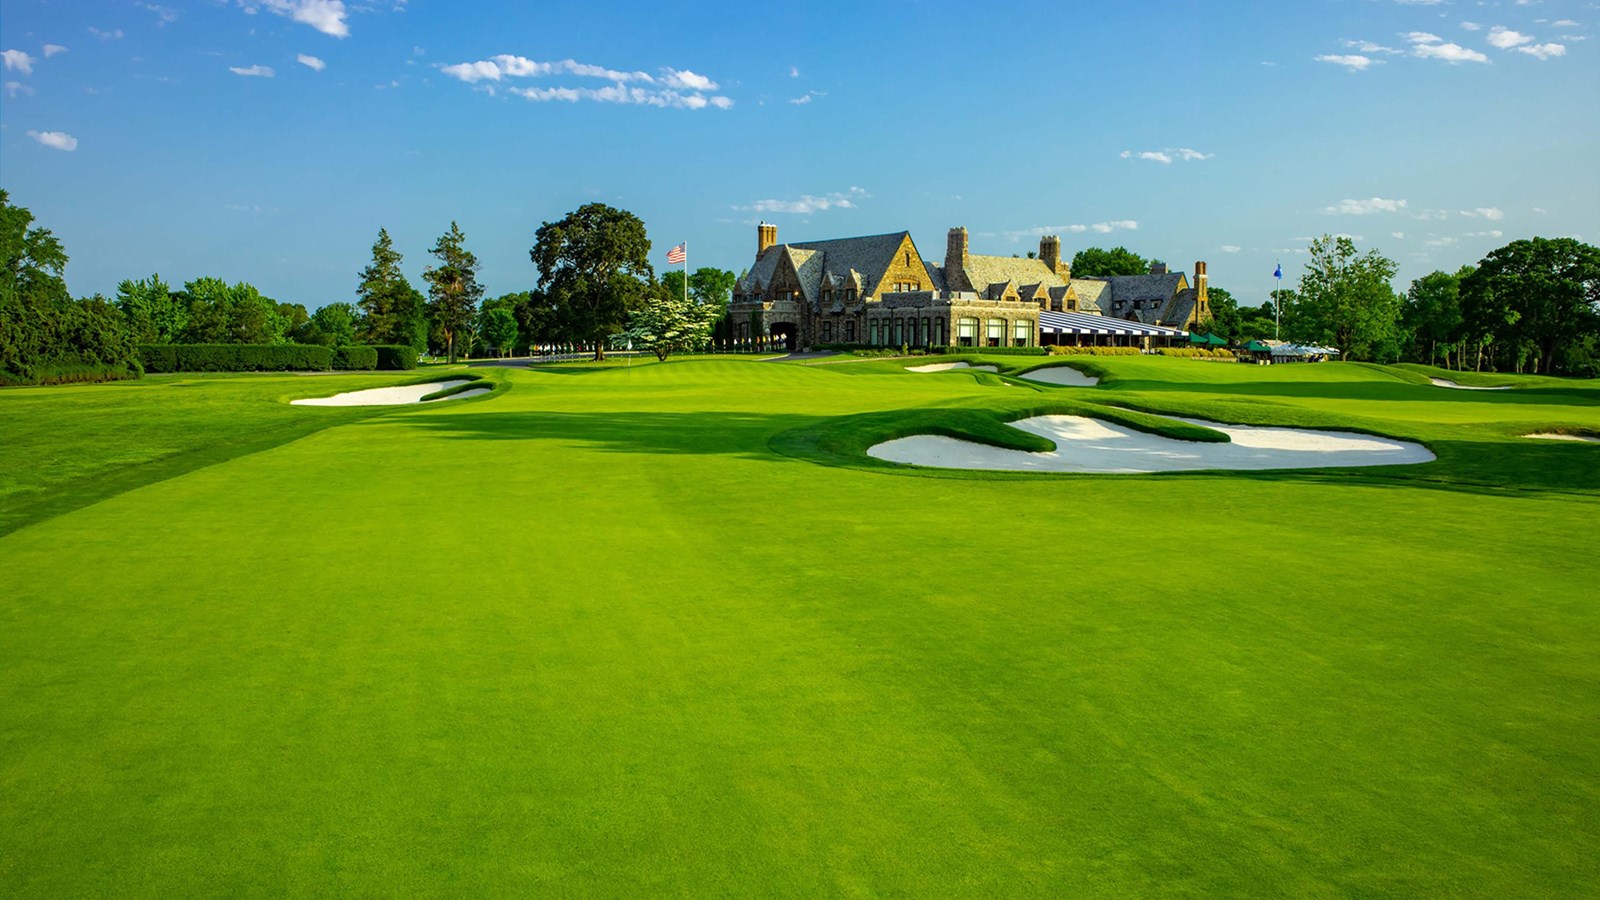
1364,207
16,59
13,88
674,88
1492,233
58,140
794,71
113,35
1430,215
163,14
1431,46
1230,248
1120,224
1504,38
807,203
1166,157
253,71
52,49
1565,23
807,97
1419,2
1543,51
1354,62
1471,26
1370,47
326,16
310,62
1398,235
1491,213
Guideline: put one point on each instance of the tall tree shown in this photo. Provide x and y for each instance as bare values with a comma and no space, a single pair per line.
1093,262
154,316
593,265
453,289
334,325
498,328
222,313
1345,300
1534,298
1432,314
391,308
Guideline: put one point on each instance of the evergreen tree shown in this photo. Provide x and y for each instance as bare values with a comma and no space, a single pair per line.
391,309
453,289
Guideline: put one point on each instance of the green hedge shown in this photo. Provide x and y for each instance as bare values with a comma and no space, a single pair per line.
1199,353
71,373
235,357
993,351
355,356
396,356
1069,350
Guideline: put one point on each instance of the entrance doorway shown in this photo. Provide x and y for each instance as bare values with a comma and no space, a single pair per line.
784,337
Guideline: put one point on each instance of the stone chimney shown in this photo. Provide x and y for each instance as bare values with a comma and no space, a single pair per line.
955,249
1200,284
1158,268
1050,252
766,236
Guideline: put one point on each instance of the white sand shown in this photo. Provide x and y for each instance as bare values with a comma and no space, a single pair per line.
391,396
1445,382
945,367
1090,445
1065,375
1547,436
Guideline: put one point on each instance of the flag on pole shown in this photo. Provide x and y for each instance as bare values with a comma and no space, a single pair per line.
1278,273
678,254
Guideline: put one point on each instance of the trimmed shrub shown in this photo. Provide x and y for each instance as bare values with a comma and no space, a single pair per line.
395,356
72,373
235,357
355,356
1199,353
992,351
1068,350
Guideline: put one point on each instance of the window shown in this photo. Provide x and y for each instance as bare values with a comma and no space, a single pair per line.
899,332
938,333
966,332
995,333
872,332
850,332
850,295
924,335
827,332
1021,333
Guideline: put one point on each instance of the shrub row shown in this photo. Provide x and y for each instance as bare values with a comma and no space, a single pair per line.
355,356
1199,353
272,357
993,351
396,356
71,373
1067,350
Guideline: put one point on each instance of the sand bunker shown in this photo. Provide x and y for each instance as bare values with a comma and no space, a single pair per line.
392,396
945,367
1548,436
1447,383
1090,445
1064,375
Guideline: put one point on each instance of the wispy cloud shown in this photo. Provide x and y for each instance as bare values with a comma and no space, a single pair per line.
16,88
326,16
807,97
1504,38
164,14
1230,248
1364,207
1097,228
669,87
1493,214
1167,156
1372,47
56,140
114,34
310,62
52,49
807,203
1545,51
253,71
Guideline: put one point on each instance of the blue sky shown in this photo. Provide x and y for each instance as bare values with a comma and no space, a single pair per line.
267,140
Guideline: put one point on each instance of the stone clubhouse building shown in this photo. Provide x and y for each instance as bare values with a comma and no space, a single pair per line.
879,291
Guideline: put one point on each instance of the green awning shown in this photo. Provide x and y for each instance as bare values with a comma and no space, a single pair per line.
1258,347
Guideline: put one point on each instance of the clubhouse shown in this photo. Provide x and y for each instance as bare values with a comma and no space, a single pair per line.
879,291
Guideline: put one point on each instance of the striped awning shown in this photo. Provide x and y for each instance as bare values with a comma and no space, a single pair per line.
1083,323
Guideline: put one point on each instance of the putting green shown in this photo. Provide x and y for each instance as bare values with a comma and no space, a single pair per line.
668,629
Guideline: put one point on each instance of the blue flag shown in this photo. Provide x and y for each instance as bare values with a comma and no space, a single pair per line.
1278,274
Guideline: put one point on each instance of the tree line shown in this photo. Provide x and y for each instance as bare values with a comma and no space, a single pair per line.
594,286
1530,306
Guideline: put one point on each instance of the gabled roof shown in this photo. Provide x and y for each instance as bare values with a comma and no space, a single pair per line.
869,255
935,275
1093,296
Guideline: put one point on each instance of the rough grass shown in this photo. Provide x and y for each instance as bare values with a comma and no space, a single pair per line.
593,635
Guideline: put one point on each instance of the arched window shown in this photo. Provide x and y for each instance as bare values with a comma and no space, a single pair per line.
995,333
966,332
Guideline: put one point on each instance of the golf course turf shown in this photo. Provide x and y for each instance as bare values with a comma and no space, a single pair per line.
667,629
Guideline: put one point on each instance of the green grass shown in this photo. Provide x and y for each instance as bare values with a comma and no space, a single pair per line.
615,631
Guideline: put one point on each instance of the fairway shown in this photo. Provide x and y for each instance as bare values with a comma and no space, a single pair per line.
665,628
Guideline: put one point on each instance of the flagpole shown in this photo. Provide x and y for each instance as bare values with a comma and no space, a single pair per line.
1277,303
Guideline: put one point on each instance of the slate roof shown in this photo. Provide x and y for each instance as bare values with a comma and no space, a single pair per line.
869,255
1091,293
983,271
935,275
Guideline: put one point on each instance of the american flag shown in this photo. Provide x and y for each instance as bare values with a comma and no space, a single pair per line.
678,254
